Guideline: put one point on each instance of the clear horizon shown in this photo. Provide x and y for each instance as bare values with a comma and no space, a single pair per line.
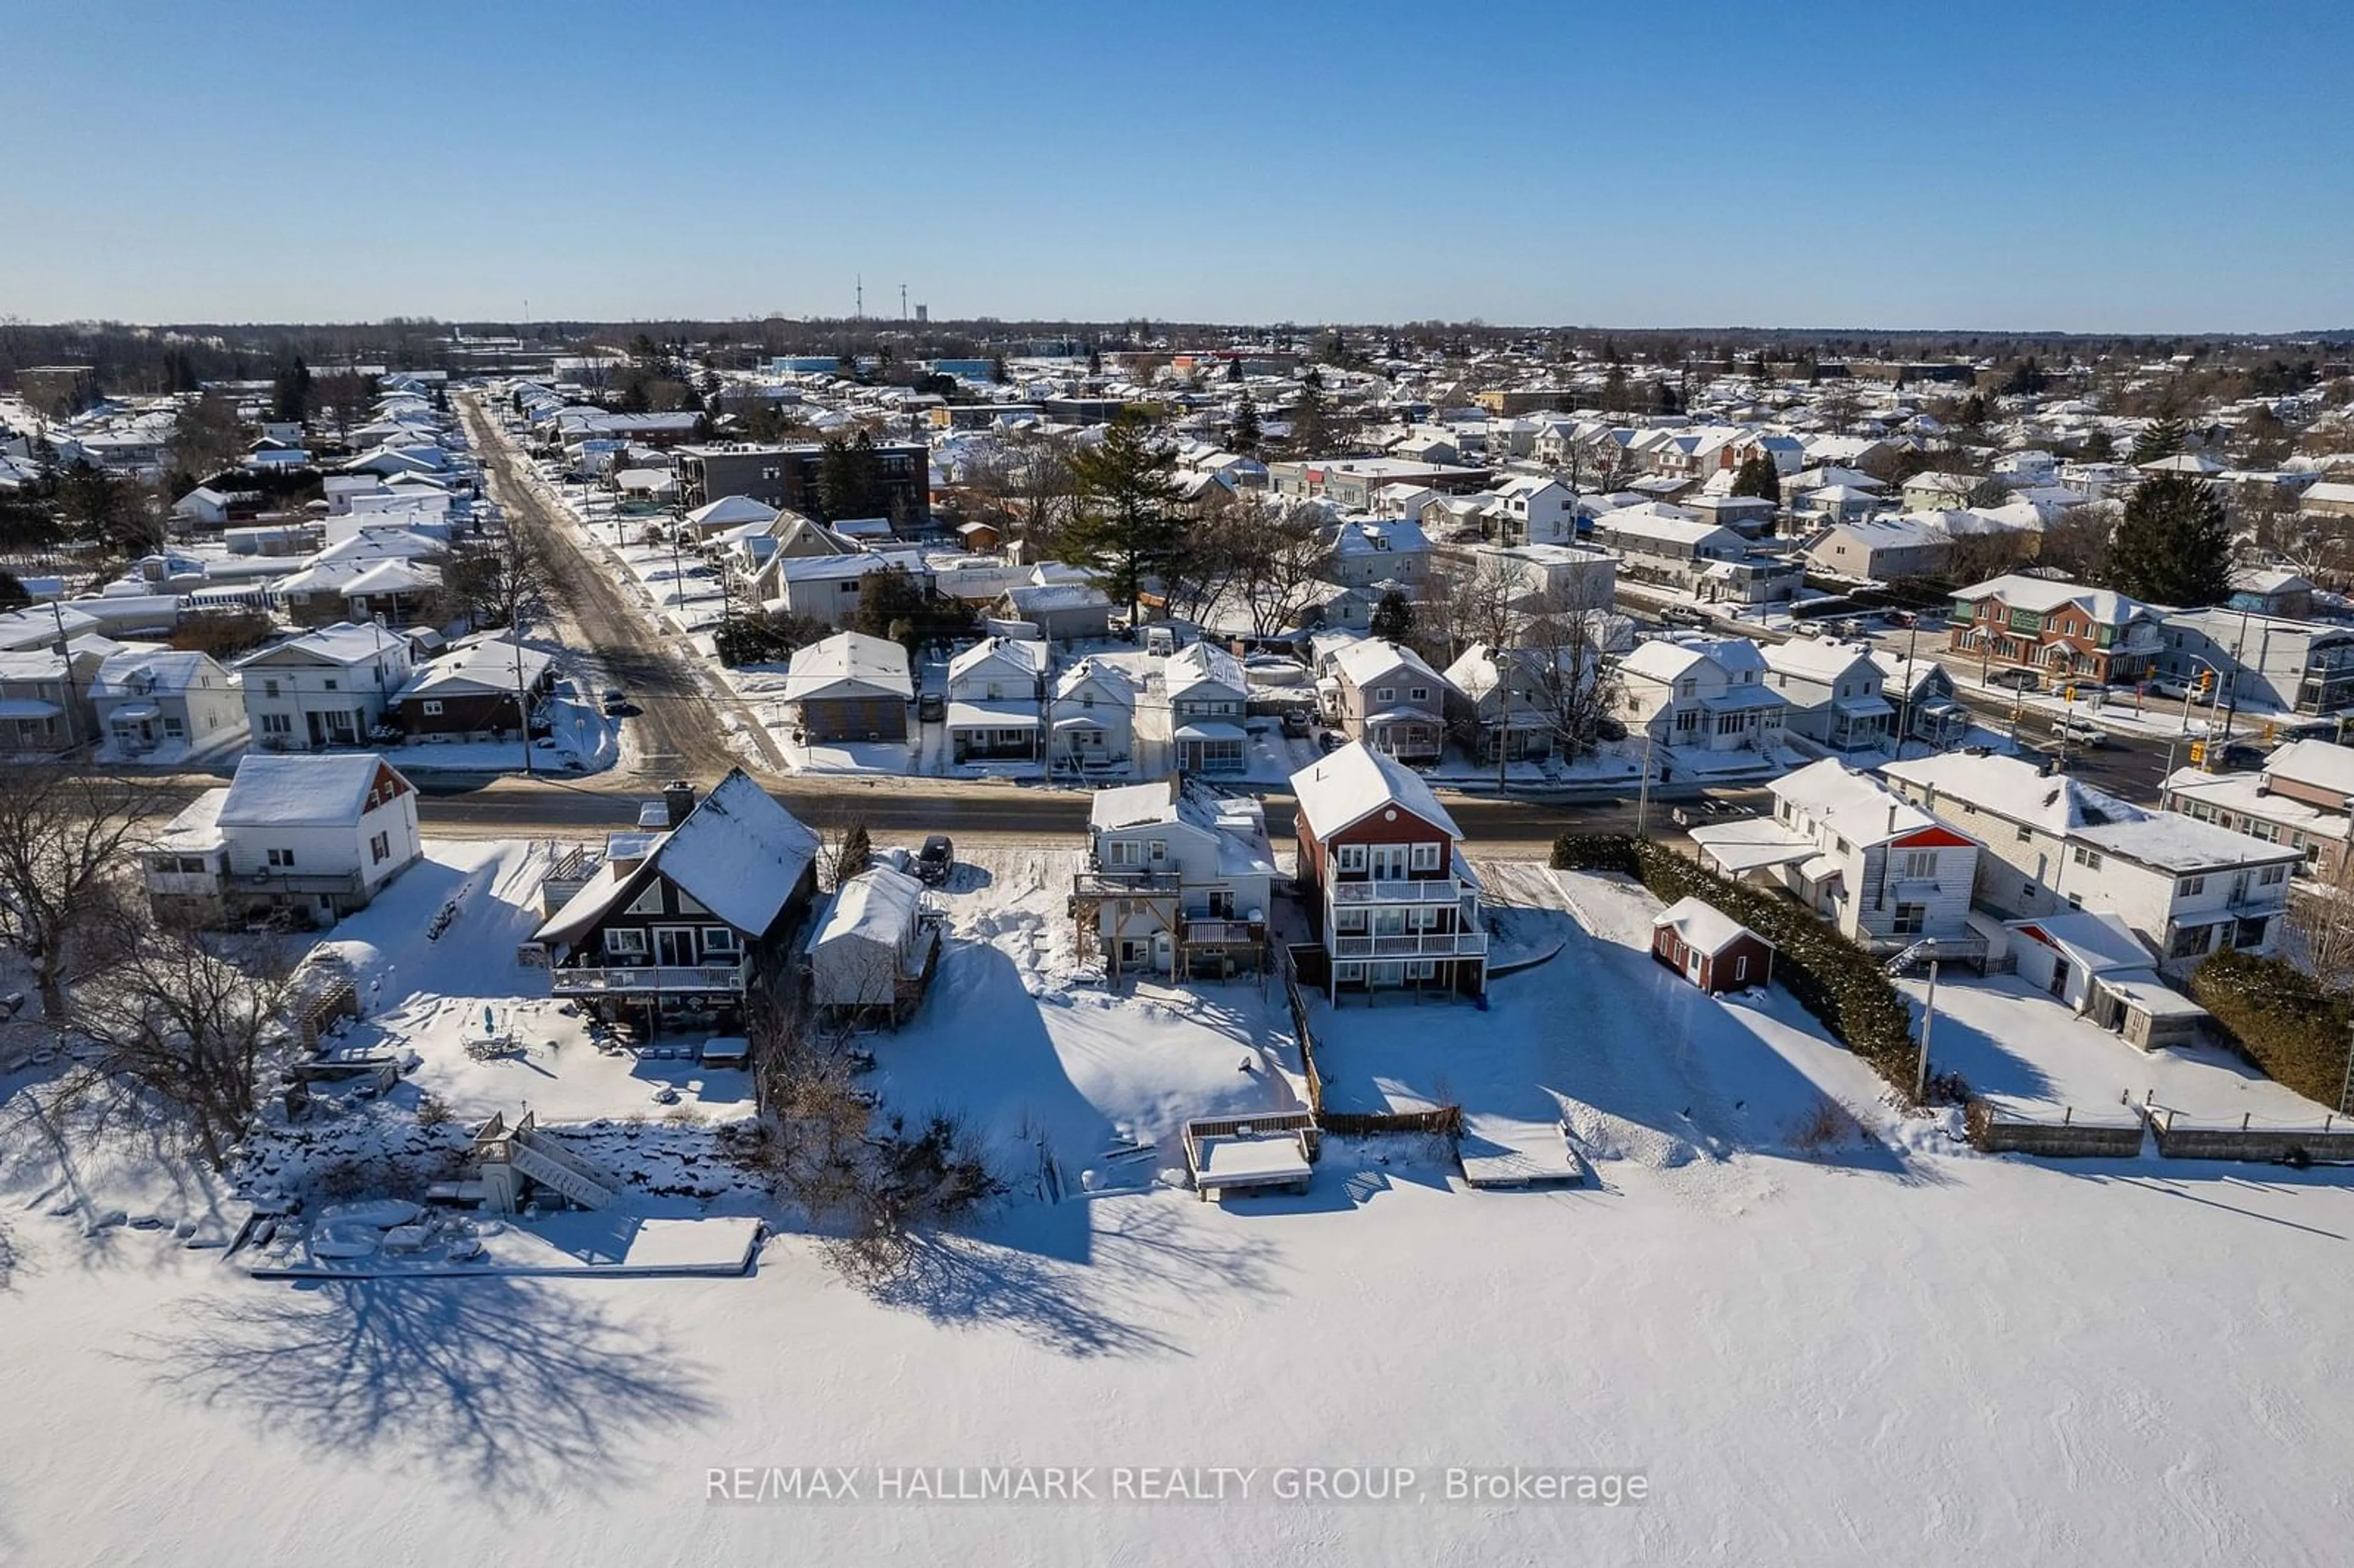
2109,170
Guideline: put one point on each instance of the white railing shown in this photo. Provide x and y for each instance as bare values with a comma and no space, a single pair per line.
646,977
1431,890
1426,945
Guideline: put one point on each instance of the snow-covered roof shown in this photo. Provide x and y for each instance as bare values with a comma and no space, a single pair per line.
1199,664
1854,805
327,790
2320,763
2015,790
740,854
2044,594
347,643
729,511
879,905
2170,841
1817,659
2096,940
135,673
1023,654
1132,806
1370,660
848,658
1703,926
1355,781
489,664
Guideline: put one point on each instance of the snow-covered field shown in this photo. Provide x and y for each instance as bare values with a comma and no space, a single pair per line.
1865,1348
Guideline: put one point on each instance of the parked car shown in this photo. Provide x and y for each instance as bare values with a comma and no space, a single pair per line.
1295,722
617,702
2167,686
931,708
2240,756
1332,740
1684,615
936,860
2017,680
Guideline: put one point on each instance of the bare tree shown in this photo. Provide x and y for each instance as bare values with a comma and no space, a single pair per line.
65,837
500,580
1284,563
187,1027
1026,488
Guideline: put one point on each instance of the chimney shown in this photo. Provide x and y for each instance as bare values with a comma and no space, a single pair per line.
678,799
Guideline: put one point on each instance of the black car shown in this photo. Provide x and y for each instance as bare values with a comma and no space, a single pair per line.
936,859
2239,755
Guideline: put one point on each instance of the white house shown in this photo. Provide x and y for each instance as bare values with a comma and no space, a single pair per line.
1092,719
1177,875
314,835
1515,698
327,687
1367,551
1833,694
995,688
1882,870
1208,694
1702,694
2187,888
2093,961
1387,697
164,700
870,949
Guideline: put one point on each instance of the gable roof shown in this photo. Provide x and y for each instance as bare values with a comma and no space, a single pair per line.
1356,781
848,658
1703,926
740,854
326,790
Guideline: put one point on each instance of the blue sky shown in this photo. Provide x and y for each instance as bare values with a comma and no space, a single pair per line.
2158,167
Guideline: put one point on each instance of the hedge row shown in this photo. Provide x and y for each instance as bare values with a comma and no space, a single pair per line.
2281,1019
1843,986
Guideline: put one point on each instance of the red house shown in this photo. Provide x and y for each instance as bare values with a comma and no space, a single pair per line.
1709,948
1393,903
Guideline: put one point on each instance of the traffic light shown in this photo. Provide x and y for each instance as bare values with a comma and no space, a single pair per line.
2070,693
2272,733
2198,754
2206,684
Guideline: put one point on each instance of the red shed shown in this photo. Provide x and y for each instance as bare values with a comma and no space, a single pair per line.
1709,948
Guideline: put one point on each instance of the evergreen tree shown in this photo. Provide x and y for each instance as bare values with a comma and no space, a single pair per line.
1393,617
2026,379
1243,435
2173,545
1311,426
1127,529
2158,438
1760,478
997,369
12,592
290,392
850,478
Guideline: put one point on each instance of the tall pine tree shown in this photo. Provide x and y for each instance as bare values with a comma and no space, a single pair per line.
2160,439
2173,545
1243,434
1760,478
1129,528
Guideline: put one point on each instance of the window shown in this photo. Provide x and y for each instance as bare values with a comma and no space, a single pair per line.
379,849
281,858
1422,969
277,724
1739,968
2273,876
1157,850
1385,694
1425,857
1910,919
1351,920
688,905
626,942
2025,832
2189,942
719,940
2191,887
1348,972
1121,852
2090,859
328,684
1687,721
1353,857
1420,694
1917,866
649,901
269,688
432,707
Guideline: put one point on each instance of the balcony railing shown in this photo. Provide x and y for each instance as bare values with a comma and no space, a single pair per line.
1423,945
572,980
1430,890
1119,879
1217,931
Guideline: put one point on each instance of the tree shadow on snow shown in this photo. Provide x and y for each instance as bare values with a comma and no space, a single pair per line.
503,1382
1139,1267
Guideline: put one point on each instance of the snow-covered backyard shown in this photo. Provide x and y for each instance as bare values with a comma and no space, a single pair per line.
1822,1337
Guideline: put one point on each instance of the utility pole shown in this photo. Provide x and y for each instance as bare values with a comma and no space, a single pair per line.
1912,682
903,301
1643,792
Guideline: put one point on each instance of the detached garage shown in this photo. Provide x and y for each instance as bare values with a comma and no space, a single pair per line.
1709,948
